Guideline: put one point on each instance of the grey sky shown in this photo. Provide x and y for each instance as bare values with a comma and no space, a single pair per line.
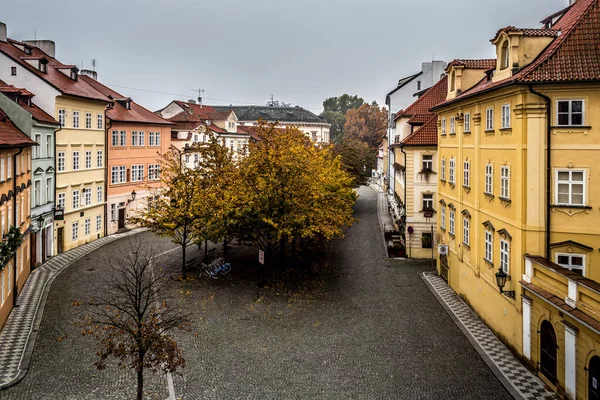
242,51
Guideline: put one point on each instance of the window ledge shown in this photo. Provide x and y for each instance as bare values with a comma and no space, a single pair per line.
466,132
506,130
452,184
430,210
442,228
451,235
452,134
571,126
488,262
488,195
489,132
570,206
505,200
467,188
442,180
466,246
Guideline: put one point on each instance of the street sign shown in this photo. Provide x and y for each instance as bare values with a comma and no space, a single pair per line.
59,214
442,249
261,257
428,214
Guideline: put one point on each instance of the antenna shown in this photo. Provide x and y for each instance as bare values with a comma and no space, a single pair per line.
93,64
200,91
35,34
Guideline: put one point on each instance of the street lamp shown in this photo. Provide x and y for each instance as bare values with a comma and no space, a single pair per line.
501,277
40,222
133,194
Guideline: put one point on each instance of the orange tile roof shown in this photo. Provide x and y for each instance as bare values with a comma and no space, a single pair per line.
420,109
11,135
539,32
473,64
426,135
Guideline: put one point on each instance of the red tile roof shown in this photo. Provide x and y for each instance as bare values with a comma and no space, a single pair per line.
573,56
10,135
418,119
539,32
53,76
118,112
473,64
435,95
426,135
23,98
202,112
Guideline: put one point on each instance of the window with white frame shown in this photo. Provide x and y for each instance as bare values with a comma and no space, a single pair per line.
574,262
489,246
452,125
137,173
75,119
61,200
75,198
466,173
443,126
570,112
467,122
505,116
141,139
17,214
2,177
87,196
75,230
100,121
88,159
504,255
118,174
113,212
134,138
427,163
489,179
451,172
37,190
153,172
49,189
570,187
443,217
505,182
75,160
466,230
86,227
122,138
37,150
196,159
115,138
98,222
9,167
60,160
88,120
452,218
99,194
443,169
62,117
49,146
154,138
187,158
99,159
427,202
489,119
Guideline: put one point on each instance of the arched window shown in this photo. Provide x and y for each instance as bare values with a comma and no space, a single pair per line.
504,55
548,351
452,81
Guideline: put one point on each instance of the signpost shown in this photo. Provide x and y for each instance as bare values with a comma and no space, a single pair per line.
261,257
59,214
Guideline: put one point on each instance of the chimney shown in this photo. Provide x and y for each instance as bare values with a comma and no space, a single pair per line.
47,46
3,37
90,73
192,101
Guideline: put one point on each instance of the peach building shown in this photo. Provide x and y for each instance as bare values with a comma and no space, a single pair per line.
136,137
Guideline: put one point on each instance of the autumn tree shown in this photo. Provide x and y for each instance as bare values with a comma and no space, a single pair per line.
356,157
132,320
368,123
334,112
288,188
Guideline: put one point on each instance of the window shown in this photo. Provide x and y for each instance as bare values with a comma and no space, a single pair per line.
418,85
123,140
9,167
195,140
574,262
61,161
113,212
452,165
134,138
453,81
443,217
3,225
16,212
75,119
62,117
37,189
489,119
37,149
427,202
75,230
504,255
140,138
98,222
443,170
570,112
452,125
504,55
153,172
466,230
49,146
75,160
88,159
88,120
154,138
489,246
505,182
86,227
61,200
115,138
118,174
2,177
187,158
427,163
467,122
75,198
13,72
100,121
570,187
506,116
196,159
452,214
489,179
466,173
99,194
49,190
426,240
99,159
443,126
137,173
87,196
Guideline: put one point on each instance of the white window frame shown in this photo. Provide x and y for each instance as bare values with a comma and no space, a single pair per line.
113,212
100,121
489,179
443,169
88,159
489,246
62,200
467,173
37,192
452,220
443,217
2,168
49,146
117,173
570,265
137,173
428,200
88,120
60,156
505,116
87,196
452,172
75,230
75,199
153,172
98,222
505,256
87,226
570,112
122,138
570,183
489,119
37,150
99,194
466,230
452,125
467,122
100,159
505,182
75,160
62,117
114,138
75,119
427,164
443,124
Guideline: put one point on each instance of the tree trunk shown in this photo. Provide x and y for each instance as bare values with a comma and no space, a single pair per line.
140,383
183,246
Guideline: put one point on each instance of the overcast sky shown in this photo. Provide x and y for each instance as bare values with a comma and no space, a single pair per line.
244,51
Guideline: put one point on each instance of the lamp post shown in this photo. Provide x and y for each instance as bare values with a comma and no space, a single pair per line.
501,277
133,194
40,222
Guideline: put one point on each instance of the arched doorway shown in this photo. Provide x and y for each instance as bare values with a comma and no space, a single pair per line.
548,352
594,379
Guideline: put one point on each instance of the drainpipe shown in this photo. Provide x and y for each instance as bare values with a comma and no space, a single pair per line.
16,280
107,127
404,200
55,186
548,162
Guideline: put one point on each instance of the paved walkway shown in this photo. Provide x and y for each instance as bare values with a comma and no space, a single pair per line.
18,336
517,379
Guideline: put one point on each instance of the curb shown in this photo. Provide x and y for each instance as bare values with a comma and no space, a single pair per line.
39,313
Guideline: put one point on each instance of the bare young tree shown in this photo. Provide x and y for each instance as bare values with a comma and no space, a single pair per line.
132,320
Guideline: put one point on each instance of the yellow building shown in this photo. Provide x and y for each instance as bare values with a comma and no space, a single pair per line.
518,146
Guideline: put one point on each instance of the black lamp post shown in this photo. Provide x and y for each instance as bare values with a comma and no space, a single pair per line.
40,222
133,194
501,277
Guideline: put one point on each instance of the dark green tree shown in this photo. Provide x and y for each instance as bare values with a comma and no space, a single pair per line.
334,112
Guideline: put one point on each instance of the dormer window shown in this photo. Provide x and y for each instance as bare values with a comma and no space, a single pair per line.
73,75
452,81
42,66
504,55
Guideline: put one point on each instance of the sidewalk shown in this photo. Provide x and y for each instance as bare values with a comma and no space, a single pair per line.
18,336
517,379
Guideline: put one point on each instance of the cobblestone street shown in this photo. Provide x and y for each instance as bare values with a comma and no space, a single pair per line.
366,328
